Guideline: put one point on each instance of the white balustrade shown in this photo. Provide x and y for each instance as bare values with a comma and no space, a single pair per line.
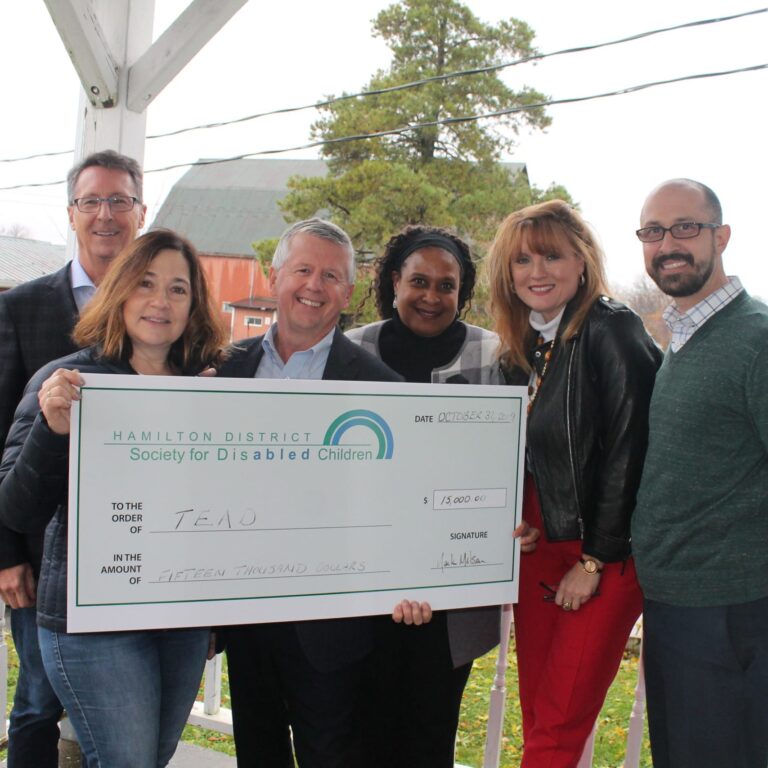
497,703
210,714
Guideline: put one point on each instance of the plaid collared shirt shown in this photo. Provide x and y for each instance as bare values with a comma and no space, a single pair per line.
684,324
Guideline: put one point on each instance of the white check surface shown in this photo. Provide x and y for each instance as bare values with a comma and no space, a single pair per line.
200,502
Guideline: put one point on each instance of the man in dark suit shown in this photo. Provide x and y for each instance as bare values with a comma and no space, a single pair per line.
306,672
104,193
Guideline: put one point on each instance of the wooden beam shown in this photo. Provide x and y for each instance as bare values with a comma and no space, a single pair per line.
175,48
126,25
81,33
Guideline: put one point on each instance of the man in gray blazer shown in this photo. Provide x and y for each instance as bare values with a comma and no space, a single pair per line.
104,196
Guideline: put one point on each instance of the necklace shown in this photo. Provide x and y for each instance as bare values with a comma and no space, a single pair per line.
533,391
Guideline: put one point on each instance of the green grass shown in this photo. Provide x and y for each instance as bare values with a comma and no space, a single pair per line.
609,744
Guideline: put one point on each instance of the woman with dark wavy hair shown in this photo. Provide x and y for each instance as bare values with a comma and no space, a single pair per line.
424,280
128,694
590,368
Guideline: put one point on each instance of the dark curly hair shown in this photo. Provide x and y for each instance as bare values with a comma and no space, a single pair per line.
397,251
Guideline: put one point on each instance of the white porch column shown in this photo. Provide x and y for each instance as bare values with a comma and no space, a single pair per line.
122,70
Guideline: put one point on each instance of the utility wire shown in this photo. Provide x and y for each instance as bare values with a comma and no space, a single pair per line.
433,123
423,81
451,75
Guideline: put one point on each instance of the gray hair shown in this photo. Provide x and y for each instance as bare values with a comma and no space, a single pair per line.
106,159
321,228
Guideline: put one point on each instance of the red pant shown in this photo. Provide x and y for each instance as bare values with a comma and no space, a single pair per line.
566,659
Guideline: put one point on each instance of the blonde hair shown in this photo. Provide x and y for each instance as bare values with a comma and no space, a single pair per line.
550,227
102,323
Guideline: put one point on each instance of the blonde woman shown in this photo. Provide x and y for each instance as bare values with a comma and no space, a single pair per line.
590,367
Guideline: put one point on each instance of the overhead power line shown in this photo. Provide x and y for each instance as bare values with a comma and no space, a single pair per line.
433,123
421,82
457,74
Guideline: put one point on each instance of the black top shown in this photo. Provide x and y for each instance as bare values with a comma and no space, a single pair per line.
415,357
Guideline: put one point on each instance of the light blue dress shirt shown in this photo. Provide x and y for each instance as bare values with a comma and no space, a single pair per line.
308,364
82,285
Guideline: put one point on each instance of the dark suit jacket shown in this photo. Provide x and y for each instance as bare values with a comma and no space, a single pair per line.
36,321
328,643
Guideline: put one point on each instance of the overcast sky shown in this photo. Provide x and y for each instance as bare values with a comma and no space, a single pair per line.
609,153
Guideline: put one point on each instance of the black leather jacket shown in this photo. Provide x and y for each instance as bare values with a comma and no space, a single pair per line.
588,428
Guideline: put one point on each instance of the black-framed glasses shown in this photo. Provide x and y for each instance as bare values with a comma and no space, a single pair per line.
681,231
116,203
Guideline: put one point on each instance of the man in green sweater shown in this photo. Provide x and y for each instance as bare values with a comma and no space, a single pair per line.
700,528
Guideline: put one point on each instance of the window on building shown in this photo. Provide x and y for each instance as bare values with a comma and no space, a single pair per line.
226,307
253,320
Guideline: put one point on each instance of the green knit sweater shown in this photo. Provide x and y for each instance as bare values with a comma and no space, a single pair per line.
700,528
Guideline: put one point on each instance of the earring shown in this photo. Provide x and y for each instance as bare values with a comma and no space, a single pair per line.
582,279
394,302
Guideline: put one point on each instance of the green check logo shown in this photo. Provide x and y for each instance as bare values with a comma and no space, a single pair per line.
362,418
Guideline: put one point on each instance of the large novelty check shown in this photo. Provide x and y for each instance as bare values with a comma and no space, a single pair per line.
210,501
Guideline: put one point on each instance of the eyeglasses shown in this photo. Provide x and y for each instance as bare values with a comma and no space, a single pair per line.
116,203
682,231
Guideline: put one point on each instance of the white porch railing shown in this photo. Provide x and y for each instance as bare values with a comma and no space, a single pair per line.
209,713
498,698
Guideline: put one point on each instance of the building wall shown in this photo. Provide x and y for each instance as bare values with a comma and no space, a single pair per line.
233,278
250,322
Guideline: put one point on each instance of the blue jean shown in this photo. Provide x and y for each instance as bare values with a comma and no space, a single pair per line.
33,733
128,694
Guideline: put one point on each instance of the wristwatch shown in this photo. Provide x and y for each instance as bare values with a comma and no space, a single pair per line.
590,565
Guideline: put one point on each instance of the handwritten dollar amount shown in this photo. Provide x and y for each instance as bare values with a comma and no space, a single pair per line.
470,498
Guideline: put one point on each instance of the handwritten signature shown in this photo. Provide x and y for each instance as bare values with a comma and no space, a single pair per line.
458,560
